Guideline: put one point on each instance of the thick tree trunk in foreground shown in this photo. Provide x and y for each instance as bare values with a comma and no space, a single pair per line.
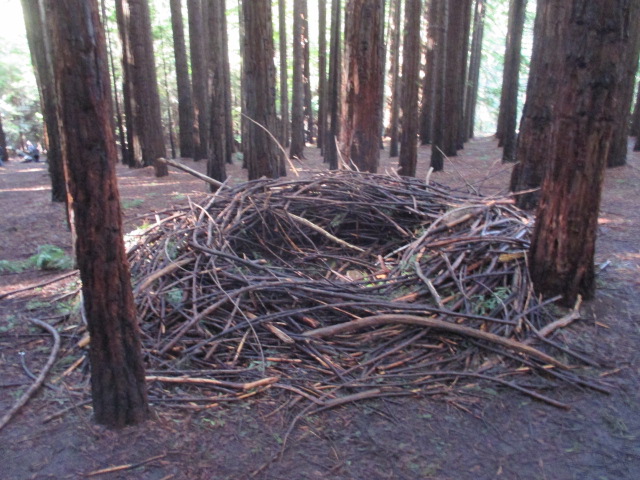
261,152
84,105
598,36
185,99
362,111
42,64
411,79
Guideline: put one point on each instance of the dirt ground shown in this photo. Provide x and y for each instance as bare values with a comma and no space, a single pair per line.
498,434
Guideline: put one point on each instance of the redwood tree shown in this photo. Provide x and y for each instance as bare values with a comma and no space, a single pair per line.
284,83
362,109
261,152
396,84
473,77
596,38
142,100
333,84
440,20
297,97
198,78
410,76
508,113
89,150
185,100
41,59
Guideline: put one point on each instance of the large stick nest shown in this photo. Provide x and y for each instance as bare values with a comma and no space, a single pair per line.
337,287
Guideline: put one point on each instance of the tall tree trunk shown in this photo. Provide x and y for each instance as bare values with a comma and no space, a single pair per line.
4,156
144,124
457,35
185,101
84,106
634,131
362,111
335,69
228,97
426,107
595,42
261,152
396,84
116,98
411,78
198,79
284,84
42,62
218,154
322,73
474,70
440,16
297,99
618,154
508,113
308,98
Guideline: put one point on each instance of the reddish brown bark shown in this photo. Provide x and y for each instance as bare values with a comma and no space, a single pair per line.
362,110
411,79
84,106
596,38
198,79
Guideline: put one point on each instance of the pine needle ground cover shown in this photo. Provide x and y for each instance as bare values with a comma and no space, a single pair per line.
340,287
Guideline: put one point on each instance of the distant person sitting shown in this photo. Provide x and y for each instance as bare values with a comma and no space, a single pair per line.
33,154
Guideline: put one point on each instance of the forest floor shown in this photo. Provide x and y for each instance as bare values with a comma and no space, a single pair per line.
500,434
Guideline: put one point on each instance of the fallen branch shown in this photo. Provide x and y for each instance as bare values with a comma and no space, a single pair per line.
121,468
377,320
43,374
191,171
211,381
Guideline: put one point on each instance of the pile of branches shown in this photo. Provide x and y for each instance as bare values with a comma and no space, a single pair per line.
338,287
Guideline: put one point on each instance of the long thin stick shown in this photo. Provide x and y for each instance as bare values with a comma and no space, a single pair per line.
191,171
43,374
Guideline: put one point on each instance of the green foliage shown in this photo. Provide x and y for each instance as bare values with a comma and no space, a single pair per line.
133,203
485,304
50,257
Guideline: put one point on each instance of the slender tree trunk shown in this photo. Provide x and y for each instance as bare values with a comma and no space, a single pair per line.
297,99
322,73
508,113
4,156
618,154
440,66
411,77
144,124
308,98
84,106
218,154
198,79
600,35
165,72
42,63
261,152
426,107
335,62
635,120
362,111
285,124
185,101
396,84
474,70
228,97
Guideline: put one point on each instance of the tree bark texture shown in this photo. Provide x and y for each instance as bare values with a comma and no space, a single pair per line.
634,131
198,79
297,98
261,153
362,110
41,60
426,106
185,100
89,148
306,81
596,38
335,70
322,73
144,124
411,79
440,118
508,113
217,156
457,37
474,69
284,83
396,83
